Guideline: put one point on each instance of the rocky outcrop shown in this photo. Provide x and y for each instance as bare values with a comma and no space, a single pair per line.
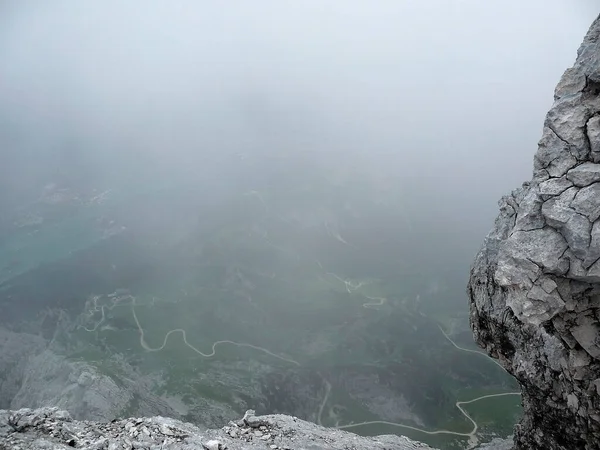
50,428
32,375
535,284
15,350
50,379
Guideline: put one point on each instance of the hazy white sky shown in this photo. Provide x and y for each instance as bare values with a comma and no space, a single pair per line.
449,93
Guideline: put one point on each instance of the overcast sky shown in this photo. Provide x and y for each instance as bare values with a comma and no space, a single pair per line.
450,94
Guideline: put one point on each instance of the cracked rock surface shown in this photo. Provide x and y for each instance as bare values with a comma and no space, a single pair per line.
535,285
52,429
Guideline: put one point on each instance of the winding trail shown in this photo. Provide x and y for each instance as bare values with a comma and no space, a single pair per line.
471,435
95,298
334,234
375,301
213,352
489,358
458,404
351,288
145,346
324,402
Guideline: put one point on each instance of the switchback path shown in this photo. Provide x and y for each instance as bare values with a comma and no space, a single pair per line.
146,347
374,301
352,288
458,404
469,350
324,402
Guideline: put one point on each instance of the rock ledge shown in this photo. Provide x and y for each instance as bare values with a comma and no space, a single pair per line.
53,429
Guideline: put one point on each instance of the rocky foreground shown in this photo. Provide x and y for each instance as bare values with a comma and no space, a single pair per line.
50,428
535,306
535,285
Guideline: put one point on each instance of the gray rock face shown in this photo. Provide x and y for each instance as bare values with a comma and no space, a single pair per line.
50,428
535,284
32,375
15,349
50,379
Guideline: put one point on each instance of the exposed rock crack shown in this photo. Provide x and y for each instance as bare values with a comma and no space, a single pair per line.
535,285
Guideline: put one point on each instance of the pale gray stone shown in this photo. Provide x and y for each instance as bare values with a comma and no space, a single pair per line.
587,333
593,133
537,307
577,233
554,186
530,216
48,428
587,202
550,280
584,174
593,253
557,211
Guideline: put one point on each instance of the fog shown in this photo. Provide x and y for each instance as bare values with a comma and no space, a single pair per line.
300,186
450,94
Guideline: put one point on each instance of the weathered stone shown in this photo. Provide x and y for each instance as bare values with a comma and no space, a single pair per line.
548,285
543,247
579,358
530,216
577,233
571,83
576,269
593,253
584,174
587,202
548,156
538,307
554,186
587,333
48,428
213,445
593,273
567,119
557,210
593,133
52,379
574,227
550,277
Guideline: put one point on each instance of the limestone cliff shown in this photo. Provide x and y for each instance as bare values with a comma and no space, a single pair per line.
535,285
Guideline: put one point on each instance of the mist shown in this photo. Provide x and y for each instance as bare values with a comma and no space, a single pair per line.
291,141
449,95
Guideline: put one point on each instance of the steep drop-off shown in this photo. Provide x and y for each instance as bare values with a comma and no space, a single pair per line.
535,284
